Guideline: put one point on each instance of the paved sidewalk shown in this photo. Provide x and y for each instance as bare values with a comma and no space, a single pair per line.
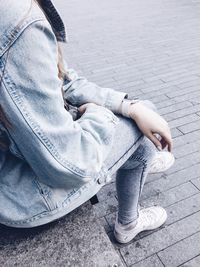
149,49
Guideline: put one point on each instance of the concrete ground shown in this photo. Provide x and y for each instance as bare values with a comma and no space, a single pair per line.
150,49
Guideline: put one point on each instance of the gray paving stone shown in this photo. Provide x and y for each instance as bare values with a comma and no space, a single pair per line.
159,90
183,91
190,127
196,182
186,97
178,77
160,240
158,99
175,133
186,149
105,207
174,107
181,252
183,209
166,103
186,139
184,162
76,240
183,112
190,84
183,120
192,263
171,196
110,218
170,181
107,192
152,261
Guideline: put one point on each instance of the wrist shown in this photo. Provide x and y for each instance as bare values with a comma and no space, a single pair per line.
126,107
135,110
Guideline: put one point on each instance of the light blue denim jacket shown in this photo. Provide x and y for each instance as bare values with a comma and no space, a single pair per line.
53,163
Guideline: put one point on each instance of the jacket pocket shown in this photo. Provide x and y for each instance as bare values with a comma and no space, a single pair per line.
45,192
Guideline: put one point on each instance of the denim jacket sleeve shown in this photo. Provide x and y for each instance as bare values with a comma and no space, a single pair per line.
62,152
80,91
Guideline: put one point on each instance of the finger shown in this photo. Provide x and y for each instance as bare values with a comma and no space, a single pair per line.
155,140
82,108
168,139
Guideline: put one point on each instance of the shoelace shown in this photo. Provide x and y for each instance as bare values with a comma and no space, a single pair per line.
148,217
157,164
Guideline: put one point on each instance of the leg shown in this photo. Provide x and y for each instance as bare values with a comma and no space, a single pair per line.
130,180
131,157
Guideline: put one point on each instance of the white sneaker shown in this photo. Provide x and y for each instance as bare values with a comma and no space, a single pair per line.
149,219
162,161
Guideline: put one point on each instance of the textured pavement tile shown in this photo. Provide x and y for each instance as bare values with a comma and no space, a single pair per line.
186,139
192,263
166,103
175,107
190,127
170,181
105,207
195,83
110,218
196,182
183,120
184,162
107,192
152,261
183,209
181,252
77,240
187,97
186,149
181,91
175,133
171,196
183,112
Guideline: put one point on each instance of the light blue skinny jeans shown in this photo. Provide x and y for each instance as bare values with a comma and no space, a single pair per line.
131,158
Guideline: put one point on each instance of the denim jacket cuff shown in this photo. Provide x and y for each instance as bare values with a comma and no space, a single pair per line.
114,101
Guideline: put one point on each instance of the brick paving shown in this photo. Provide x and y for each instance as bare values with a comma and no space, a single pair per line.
150,49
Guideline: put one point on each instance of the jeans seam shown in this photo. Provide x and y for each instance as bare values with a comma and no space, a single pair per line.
110,169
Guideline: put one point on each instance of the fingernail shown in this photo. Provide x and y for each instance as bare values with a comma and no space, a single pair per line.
159,148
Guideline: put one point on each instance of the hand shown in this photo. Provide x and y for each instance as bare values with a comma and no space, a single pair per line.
151,124
83,108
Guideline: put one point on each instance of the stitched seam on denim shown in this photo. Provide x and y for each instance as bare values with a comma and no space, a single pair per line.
125,153
38,216
42,195
138,158
38,133
14,34
43,214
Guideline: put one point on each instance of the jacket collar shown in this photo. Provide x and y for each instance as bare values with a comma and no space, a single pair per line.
10,29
